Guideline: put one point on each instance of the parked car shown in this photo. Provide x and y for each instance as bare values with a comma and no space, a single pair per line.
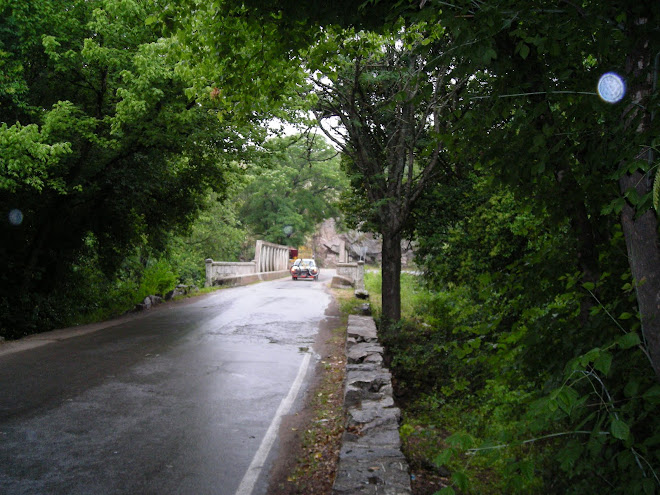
304,268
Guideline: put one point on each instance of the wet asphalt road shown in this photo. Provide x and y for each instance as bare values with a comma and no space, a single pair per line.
178,401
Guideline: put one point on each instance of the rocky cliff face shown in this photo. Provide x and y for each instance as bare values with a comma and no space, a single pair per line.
327,243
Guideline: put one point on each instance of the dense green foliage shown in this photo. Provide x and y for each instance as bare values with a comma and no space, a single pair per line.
499,380
102,151
505,357
217,233
117,121
295,187
529,358
536,343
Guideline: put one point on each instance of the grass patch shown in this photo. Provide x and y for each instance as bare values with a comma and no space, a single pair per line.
410,293
348,303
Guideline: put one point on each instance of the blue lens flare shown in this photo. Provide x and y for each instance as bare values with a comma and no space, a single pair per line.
611,87
15,217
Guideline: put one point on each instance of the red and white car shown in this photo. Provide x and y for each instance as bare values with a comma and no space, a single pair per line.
304,268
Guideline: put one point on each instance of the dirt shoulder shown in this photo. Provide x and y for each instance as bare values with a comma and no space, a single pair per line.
310,439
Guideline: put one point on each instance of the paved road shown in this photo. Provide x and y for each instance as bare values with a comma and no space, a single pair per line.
179,401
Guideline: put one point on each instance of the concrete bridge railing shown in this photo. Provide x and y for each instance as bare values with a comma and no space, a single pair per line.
271,261
271,257
353,272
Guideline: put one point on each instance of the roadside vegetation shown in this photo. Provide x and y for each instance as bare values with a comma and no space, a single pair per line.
122,161
502,389
134,144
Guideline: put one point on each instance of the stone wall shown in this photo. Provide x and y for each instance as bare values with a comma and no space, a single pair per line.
354,272
370,460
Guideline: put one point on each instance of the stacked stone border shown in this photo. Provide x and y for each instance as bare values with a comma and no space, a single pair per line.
370,460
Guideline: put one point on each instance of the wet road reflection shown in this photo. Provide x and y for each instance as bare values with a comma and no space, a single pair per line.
175,402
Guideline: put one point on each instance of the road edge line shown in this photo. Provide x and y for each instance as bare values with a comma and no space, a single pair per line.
254,470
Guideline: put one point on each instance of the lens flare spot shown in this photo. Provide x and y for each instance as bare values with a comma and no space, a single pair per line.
15,217
611,87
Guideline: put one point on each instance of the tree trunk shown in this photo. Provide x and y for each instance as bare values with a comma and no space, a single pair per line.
391,278
641,235
641,231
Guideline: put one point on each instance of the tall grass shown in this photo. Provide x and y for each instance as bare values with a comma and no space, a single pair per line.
412,294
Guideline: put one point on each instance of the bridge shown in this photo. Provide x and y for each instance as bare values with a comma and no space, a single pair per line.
271,261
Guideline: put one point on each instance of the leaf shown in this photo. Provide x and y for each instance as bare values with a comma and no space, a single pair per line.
448,490
569,454
460,439
652,441
603,362
527,470
443,457
628,340
633,196
656,190
566,399
631,388
652,394
625,316
461,480
489,55
614,207
524,51
649,486
590,356
619,429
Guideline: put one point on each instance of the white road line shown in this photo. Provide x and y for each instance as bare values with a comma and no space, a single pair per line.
257,464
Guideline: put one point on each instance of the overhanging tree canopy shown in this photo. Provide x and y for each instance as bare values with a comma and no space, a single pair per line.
386,107
293,190
99,144
543,66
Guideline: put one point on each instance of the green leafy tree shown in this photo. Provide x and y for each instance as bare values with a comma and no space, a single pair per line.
240,62
296,188
534,123
580,171
216,233
385,107
98,140
504,345
533,74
